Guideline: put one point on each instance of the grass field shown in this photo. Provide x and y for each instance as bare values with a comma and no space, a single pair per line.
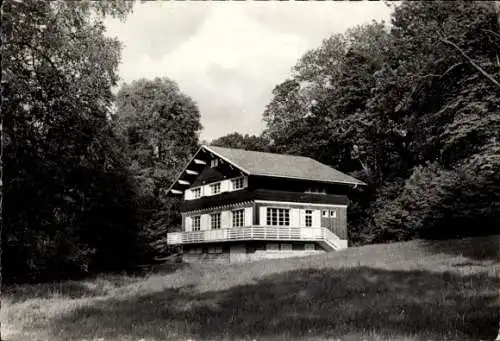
404,291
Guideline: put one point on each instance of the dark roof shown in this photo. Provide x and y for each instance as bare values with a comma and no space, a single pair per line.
269,165
281,165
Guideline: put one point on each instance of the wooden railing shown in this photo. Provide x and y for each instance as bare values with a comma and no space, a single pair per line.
259,233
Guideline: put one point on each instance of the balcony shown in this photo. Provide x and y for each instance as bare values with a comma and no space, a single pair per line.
280,233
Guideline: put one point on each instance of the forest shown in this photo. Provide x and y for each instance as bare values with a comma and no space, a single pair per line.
410,107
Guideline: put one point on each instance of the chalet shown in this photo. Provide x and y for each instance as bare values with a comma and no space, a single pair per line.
243,205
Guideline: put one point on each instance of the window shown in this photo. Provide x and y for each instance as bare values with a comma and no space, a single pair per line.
324,213
272,247
196,250
316,190
196,192
214,163
309,218
333,214
196,223
309,247
237,183
216,249
238,218
286,247
215,188
278,216
215,221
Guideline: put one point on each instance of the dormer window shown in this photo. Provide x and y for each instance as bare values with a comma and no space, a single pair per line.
214,163
237,183
215,188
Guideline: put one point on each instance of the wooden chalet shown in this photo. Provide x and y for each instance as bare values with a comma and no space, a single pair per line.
243,205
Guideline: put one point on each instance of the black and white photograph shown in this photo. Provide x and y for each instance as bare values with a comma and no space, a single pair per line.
250,170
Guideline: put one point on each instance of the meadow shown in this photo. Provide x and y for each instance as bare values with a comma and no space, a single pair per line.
419,290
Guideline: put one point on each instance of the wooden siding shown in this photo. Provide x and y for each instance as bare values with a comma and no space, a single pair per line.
296,186
221,172
337,224
247,194
340,223
255,214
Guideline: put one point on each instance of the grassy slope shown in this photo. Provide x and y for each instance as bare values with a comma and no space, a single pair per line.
403,291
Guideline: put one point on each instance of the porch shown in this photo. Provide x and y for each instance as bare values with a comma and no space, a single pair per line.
324,236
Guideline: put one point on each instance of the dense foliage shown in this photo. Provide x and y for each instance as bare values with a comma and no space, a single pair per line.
68,204
159,127
413,111
247,142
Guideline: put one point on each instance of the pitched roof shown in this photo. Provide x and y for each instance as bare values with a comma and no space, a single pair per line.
281,165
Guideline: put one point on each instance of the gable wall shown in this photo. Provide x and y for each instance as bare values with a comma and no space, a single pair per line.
295,185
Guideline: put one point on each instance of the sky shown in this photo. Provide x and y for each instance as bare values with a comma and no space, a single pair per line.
229,55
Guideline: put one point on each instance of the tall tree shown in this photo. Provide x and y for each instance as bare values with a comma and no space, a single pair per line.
65,184
324,108
247,142
160,127
447,104
404,108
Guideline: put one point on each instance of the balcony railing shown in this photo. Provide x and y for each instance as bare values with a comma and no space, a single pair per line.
281,233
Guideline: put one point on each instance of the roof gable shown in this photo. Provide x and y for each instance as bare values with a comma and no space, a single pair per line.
261,164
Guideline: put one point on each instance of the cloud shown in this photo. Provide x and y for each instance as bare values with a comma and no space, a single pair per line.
228,56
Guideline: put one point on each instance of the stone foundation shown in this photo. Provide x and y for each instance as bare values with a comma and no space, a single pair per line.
249,252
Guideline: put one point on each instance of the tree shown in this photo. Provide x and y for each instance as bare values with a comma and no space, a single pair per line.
247,142
321,111
159,126
384,104
65,183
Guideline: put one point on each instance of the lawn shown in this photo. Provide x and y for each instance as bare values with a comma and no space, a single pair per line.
403,291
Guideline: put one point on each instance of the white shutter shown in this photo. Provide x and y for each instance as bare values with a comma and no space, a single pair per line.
248,221
302,218
188,224
226,218
205,222
316,218
262,216
225,186
294,217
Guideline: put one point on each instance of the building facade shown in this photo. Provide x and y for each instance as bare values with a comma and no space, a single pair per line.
242,205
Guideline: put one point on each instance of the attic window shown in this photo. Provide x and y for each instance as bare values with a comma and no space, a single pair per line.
316,190
237,183
196,192
214,163
215,188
